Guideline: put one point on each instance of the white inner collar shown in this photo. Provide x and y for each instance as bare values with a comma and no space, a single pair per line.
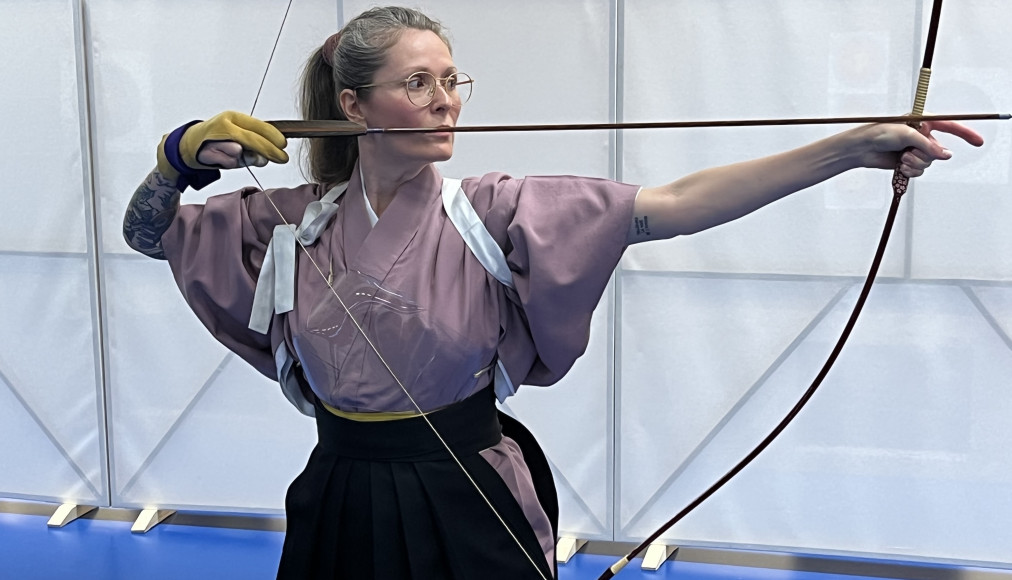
373,218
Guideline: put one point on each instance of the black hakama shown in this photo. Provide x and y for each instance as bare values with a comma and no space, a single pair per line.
383,500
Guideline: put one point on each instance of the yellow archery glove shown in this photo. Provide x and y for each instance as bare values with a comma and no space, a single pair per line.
211,140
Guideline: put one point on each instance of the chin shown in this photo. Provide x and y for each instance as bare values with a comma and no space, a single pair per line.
442,155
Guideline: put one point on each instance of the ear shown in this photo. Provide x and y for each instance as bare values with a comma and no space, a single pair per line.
351,105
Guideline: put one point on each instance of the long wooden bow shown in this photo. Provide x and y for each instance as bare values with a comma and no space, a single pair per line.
899,185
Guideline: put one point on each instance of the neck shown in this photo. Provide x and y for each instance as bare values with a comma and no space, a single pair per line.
381,180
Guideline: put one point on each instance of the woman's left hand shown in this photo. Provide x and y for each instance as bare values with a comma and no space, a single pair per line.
911,150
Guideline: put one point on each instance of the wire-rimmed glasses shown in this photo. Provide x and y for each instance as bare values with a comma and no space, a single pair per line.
421,87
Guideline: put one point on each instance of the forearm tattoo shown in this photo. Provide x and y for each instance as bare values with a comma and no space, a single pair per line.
642,225
149,214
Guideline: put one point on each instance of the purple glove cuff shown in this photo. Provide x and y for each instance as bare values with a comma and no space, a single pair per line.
188,176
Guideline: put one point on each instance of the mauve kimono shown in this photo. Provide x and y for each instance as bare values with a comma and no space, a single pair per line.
432,310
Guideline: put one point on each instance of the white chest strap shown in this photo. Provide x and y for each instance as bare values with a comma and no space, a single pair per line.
275,291
465,219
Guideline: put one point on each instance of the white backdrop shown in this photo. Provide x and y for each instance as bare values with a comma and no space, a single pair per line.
111,393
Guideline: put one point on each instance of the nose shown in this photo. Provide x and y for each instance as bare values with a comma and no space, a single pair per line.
441,96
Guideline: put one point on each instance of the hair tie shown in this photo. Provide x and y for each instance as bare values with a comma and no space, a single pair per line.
330,47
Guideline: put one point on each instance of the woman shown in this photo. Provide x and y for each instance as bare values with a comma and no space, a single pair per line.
395,307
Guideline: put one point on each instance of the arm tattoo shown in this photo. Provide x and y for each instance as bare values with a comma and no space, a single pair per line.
149,215
642,224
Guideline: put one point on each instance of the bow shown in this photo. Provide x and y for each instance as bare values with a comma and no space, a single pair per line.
899,186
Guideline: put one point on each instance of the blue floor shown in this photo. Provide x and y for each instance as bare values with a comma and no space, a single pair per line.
92,549
89,549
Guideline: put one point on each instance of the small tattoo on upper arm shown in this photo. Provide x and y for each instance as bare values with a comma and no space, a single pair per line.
642,225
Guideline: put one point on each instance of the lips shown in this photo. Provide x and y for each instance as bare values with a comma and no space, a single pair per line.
441,133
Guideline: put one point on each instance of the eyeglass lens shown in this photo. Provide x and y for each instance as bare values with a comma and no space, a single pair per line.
421,87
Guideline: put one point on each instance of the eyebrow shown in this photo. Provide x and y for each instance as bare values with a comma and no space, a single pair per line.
410,70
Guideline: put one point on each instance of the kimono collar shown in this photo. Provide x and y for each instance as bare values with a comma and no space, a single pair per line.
374,250
373,218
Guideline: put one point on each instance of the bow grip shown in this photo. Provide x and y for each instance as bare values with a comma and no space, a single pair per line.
900,181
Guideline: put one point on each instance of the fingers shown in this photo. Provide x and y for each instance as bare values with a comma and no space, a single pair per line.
953,128
251,159
913,163
207,140
223,154
229,155
258,144
260,138
925,148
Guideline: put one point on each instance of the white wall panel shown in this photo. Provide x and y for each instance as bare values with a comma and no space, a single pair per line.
48,365
187,416
899,447
40,146
782,58
51,438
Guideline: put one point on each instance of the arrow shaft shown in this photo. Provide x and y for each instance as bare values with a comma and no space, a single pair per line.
305,129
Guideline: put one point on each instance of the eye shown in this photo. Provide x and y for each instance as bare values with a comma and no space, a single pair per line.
451,83
419,82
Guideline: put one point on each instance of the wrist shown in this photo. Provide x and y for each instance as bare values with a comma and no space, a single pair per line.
172,165
163,166
858,147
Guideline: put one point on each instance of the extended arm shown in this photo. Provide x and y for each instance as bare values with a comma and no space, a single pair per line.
715,196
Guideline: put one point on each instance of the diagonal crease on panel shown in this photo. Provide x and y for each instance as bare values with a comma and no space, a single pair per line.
739,405
987,315
11,382
561,478
175,424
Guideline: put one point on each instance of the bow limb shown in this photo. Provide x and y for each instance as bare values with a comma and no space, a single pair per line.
899,187
369,341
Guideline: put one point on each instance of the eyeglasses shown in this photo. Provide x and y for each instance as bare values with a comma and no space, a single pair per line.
421,87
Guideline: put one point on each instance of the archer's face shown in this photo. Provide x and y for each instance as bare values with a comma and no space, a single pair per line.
389,106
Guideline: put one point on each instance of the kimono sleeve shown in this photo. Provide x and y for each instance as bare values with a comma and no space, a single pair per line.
216,250
564,238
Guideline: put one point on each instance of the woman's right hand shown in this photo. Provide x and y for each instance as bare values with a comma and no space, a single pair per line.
226,141
229,140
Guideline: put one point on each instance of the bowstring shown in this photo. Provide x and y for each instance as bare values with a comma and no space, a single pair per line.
347,310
